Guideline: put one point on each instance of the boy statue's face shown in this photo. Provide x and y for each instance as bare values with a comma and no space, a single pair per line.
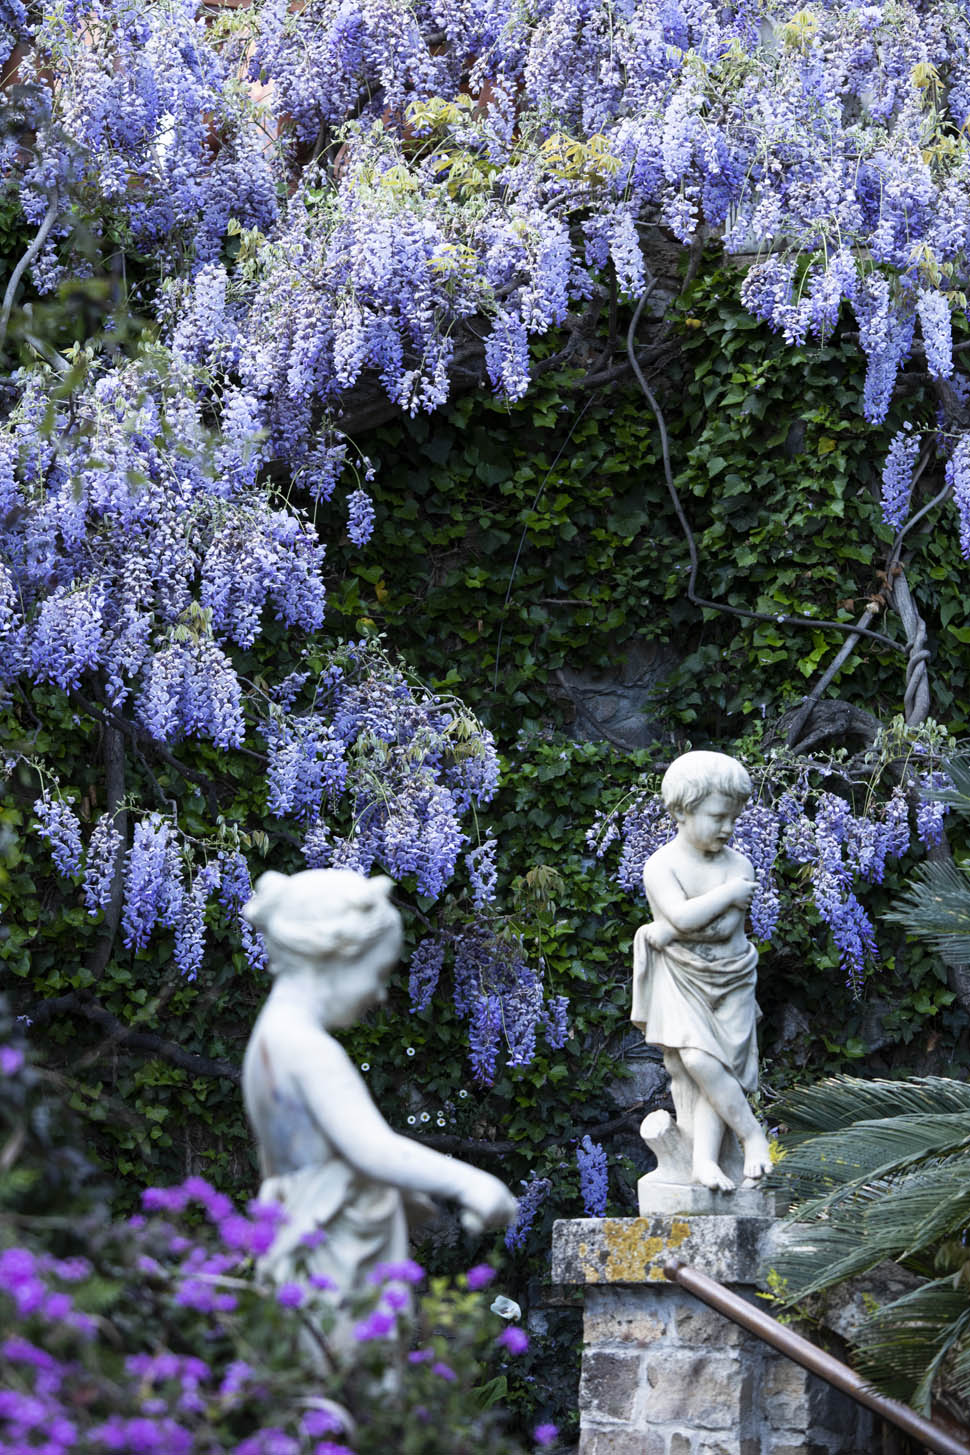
708,826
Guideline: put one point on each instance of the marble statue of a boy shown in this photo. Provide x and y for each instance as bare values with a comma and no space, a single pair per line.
345,1179
695,970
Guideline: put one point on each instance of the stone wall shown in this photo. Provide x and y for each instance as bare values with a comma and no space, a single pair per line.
665,1375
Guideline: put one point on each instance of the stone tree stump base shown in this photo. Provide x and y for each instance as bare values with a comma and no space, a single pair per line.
665,1375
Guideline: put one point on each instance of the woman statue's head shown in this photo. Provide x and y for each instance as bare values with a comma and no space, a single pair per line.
327,920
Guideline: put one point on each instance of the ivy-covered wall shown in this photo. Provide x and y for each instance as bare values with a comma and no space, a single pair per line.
514,549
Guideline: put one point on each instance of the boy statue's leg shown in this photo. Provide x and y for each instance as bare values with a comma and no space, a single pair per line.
722,1101
708,1131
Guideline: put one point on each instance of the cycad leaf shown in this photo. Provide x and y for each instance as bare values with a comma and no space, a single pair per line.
841,1100
821,1171
937,906
925,1208
905,1343
958,1374
817,1258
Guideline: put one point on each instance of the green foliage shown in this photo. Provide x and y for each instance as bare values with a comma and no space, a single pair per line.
526,539
512,543
881,1170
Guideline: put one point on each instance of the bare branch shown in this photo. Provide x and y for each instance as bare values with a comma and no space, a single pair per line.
40,237
136,1040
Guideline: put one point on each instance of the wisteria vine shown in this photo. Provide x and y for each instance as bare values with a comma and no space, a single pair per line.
793,816
340,197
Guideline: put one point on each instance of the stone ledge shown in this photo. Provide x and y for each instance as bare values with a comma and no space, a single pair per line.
634,1250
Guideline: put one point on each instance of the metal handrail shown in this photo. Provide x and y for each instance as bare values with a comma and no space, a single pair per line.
803,1352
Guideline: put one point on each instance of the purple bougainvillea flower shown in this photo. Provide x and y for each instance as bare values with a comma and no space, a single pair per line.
403,1271
480,1276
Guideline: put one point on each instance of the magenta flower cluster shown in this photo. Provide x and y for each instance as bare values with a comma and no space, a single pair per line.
181,1388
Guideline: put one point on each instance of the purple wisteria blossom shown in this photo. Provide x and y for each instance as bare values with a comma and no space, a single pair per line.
360,517
897,476
59,825
536,1190
593,1177
427,959
101,864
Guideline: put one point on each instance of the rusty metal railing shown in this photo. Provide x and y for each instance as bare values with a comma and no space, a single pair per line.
815,1360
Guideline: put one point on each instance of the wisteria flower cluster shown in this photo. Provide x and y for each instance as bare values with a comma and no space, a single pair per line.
487,161
593,1177
535,1190
373,750
497,991
407,763
794,817
341,195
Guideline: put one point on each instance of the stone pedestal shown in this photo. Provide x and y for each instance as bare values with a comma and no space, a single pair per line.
665,1375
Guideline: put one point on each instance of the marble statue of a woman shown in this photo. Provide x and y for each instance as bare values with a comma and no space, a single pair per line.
327,1155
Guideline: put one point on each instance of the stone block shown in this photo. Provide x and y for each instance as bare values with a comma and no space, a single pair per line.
614,1440
608,1383
704,1391
786,1395
635,1250
697,1325
727,1444
791,1445
624,1315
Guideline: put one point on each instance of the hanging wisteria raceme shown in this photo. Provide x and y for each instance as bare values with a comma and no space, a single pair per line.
497,991
408,763
446,162
137,564
535,1191
593,1177
138,114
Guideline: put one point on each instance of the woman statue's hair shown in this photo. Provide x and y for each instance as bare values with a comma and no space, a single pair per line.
324,915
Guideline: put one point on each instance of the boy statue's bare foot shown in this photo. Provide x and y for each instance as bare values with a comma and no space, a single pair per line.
710,1175
757,1156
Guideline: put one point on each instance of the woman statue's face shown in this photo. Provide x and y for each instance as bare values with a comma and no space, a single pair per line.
355,987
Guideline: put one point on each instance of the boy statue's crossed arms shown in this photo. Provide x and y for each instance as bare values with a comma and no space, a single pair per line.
695,970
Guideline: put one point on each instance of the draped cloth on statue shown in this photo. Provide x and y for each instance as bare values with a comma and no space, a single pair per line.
364,1222
682,1001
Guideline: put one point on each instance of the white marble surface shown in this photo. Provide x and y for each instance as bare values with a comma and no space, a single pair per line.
695,970
326,1153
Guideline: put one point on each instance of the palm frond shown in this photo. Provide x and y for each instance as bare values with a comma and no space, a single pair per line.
817,1258
936,906
841,1100
958,1371
821,1171
922,1209
906,1343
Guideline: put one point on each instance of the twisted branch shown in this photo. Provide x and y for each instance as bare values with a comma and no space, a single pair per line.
781,620
137,1040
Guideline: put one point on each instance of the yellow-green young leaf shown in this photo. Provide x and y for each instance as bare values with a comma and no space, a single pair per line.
827,444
